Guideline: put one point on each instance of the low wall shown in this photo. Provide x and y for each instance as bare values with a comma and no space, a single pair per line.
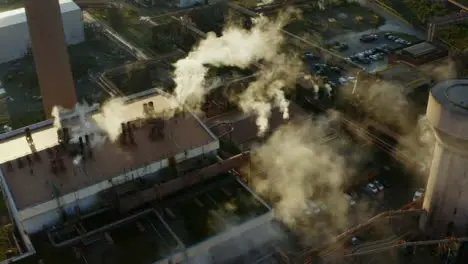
205,250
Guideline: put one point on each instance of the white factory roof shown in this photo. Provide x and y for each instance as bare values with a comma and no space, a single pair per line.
17,16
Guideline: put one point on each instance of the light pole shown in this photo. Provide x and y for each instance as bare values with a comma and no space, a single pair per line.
356,81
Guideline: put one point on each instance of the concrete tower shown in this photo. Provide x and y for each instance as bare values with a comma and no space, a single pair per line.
446,199
50,54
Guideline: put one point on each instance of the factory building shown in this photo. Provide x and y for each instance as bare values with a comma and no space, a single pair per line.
63,181
14,30
446,198
42,178
419,53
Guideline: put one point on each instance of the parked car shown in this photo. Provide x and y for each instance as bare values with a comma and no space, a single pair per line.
369,37
379,185
355,241
343,80
372,188
364,60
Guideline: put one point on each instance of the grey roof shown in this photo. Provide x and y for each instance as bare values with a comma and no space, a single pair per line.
420,49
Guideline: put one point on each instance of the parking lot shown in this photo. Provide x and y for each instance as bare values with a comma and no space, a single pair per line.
370,50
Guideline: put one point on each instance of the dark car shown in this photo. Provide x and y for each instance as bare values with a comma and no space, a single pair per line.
369,38
364,60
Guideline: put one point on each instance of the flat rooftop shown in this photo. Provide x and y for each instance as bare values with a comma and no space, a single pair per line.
243,128
420,49
35,183
404,75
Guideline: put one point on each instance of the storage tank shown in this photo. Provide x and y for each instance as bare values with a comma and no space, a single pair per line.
446,198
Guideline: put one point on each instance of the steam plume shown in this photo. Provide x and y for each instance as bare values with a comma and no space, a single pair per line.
242,48
302,162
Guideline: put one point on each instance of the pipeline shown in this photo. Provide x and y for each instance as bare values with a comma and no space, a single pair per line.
410,244
339,239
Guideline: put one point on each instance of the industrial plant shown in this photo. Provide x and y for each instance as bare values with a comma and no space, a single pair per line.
231,132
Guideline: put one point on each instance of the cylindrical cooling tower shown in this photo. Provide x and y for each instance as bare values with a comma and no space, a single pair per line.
446,198
50,54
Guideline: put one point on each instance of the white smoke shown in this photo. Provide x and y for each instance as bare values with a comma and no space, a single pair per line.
113,116
107,126
242,48
301,162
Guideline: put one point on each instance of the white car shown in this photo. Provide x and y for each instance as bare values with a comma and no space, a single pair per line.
343,80
418,194
379,185
372,188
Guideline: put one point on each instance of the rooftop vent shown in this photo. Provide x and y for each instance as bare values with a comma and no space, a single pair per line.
37,157
87,140
63,135
145,109
50,153
29,160
61,165
20,163
123,134
53,166
151,108
9,166
81,146
130,133
28,136
157,129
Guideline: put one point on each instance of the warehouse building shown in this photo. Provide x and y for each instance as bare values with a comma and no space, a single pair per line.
14,31
419,53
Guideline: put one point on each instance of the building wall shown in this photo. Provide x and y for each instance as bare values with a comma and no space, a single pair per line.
446,197
401,56
15,40
73,27
213,248
35,218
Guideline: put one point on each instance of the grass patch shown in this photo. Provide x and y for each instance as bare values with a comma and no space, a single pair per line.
11,6
419,12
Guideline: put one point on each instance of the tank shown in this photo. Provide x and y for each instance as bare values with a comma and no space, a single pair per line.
446,198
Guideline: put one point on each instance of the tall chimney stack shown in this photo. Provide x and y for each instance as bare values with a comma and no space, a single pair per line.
446,198
50,54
